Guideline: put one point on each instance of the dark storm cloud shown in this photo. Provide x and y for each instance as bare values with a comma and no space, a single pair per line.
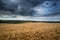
9,5
30,7
16,6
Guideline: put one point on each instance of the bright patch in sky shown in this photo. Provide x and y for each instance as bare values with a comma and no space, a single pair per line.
15,1
44,9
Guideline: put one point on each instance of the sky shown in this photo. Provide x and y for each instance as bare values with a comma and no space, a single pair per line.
40,10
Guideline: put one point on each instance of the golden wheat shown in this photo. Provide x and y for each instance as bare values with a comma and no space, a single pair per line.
30,31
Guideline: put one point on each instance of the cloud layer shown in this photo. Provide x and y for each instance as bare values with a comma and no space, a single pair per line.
32,8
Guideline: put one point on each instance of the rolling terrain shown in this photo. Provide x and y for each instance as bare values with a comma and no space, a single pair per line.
30,31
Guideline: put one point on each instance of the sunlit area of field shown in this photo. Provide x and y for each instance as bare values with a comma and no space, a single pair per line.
30,31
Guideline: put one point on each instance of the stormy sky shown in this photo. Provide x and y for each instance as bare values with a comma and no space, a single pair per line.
29,9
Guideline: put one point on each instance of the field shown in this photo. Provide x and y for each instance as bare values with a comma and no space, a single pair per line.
30,31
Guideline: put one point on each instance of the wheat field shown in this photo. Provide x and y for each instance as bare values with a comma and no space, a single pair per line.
30,31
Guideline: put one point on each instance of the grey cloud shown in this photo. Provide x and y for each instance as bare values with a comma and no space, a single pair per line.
25,7
47,8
